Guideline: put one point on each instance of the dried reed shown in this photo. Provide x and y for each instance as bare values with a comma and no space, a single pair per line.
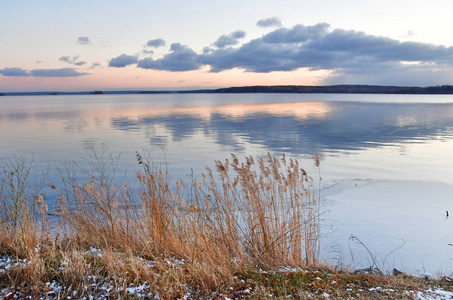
260,211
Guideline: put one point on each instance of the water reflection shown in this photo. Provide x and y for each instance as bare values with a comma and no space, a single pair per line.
57,115
395,141
310,127
158,141
181,126
89,144
195,134
75,125
18,117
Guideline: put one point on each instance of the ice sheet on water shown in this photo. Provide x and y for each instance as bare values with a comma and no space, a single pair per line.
385,215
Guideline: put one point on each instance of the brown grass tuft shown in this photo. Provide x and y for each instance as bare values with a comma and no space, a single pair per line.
258,212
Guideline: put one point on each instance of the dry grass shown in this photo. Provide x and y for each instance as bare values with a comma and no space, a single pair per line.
265,211
196,238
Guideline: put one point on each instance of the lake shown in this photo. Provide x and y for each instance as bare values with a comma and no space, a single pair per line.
386,160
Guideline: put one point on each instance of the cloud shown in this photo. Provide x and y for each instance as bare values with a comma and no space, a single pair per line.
229,40
317,48
14,72
144,51
180,58
269,22
72,61
155,43
64,72
67,59
18,72
297,34
409,33
95,65
122,61
411,75
345,54
83,40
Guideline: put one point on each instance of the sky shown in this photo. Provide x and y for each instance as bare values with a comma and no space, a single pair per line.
73,45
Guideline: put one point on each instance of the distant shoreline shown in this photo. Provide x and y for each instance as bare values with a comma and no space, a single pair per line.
286,89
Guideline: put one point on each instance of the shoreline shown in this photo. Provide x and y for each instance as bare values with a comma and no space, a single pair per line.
276,89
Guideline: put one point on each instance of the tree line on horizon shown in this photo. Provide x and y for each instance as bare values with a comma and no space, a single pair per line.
300,89
340,89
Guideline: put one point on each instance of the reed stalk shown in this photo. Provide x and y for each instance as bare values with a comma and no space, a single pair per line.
256,212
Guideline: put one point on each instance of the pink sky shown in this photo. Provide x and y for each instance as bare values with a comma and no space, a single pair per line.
61,46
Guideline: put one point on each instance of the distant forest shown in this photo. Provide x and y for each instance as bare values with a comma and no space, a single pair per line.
301,89
339,89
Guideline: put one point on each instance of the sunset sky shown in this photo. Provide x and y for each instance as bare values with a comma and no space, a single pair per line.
72,45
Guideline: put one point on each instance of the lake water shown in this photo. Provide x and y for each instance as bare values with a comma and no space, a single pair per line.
386,160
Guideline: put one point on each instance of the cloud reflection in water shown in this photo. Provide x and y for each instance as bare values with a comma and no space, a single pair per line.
307,127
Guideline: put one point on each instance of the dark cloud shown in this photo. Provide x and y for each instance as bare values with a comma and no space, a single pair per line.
346,54
144,51
64,72
155,43
388,74
122,61
95,65
316,48
297,34
72,60
180,58
66,59
269,22
14,72
206,50
229,40
255,56
83,40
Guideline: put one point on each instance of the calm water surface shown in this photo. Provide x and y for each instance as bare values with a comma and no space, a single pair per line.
368,144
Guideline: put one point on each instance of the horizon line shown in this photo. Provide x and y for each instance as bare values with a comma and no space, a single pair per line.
245,89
